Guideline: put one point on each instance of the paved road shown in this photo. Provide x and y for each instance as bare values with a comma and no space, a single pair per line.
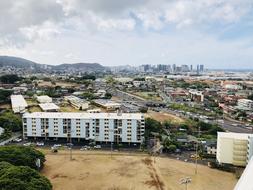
16,135
227,125
230,126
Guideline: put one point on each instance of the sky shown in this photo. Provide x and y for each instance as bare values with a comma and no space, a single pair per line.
216,33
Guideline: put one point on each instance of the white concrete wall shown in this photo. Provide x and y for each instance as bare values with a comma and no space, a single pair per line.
225,150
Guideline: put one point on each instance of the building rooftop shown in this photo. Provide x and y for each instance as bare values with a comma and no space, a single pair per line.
18,101
44,98
245,100
49,106
107,103
75,99
241,136
82,115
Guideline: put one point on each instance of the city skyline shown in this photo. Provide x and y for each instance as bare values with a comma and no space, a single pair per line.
216,34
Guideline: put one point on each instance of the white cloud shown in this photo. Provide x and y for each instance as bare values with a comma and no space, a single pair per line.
44,31
112,23
118,31
150,19
27,16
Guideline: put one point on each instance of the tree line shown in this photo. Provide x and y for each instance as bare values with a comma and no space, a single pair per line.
18,169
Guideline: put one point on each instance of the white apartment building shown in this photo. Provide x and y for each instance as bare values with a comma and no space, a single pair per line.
196,95
18,103
234,148
101,127
245,104
245,182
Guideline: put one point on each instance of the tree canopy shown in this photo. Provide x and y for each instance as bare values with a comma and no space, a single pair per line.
9,79
10,121
152,125
21,156
4,95
22,178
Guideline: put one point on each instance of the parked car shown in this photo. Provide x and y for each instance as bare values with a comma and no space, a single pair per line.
17,140
70,144
97,147
54,149
27,144
85,147
57,145
40,144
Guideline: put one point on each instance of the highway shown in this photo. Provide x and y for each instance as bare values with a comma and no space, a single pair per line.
234,127
224,124
231,126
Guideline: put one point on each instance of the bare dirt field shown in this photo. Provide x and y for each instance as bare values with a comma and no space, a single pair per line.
62,84
5,106
162,117
94,170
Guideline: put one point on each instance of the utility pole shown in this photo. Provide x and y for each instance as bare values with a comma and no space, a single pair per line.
196,159
70,146
196,153
70,143
111,130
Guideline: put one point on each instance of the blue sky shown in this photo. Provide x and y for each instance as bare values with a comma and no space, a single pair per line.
216,33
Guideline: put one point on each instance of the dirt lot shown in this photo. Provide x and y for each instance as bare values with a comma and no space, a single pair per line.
98,171
5,106
159,116
62,84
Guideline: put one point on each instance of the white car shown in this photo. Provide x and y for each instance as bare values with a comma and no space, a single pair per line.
57,145
17,140
40,143
97,146
27,144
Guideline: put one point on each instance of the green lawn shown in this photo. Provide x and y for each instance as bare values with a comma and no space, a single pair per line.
148,96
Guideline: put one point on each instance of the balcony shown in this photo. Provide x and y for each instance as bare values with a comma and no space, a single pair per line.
239,163
240,158
240,142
